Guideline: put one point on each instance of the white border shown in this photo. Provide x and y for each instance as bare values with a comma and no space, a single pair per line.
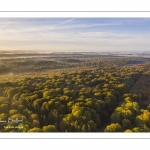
74,5
96,135
75,14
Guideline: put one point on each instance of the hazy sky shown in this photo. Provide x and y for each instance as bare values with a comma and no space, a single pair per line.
75,34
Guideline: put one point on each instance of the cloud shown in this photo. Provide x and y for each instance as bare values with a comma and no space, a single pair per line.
61,35
67,21
12,22
23,25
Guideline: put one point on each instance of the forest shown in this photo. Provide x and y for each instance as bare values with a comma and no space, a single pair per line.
74,92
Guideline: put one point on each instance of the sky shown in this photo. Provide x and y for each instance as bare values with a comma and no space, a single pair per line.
75,34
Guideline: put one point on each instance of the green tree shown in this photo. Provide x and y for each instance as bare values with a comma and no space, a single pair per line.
3,116
35,129
114,127
13,112
35,123
4,108
49,128
126,124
